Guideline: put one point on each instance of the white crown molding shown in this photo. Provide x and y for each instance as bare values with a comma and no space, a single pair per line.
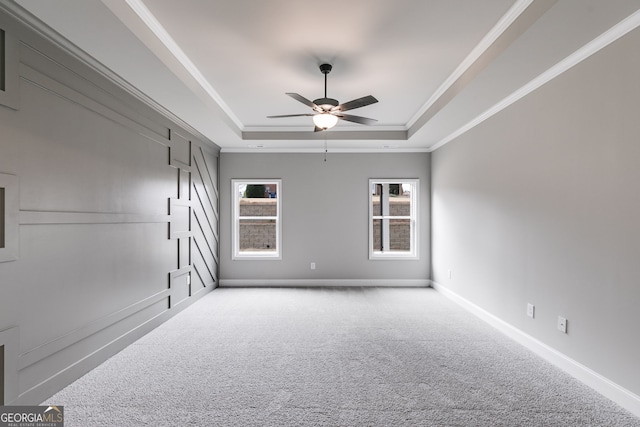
24,17
501,26
330,135
165,38
614,33
599,383
266,150
341,128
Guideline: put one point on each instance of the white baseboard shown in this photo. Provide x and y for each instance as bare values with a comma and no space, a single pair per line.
304,283
602,385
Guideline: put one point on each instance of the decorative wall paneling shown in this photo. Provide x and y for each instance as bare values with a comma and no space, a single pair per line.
194,219
44,72
206,218
115,218
180,222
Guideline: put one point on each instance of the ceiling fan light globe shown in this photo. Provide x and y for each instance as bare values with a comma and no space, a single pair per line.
325,120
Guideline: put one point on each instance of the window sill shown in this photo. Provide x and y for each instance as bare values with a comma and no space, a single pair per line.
391,256
256,256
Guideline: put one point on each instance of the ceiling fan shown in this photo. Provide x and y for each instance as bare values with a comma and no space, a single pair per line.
327,111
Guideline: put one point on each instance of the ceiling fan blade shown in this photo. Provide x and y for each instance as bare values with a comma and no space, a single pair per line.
356,103
289,115
356,119
304,100
318,129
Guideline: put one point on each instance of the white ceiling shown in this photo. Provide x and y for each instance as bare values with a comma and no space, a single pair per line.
437,67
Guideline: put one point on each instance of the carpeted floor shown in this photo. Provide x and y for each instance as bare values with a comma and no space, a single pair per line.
330,357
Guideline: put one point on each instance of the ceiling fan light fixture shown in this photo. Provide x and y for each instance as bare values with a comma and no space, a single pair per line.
325,120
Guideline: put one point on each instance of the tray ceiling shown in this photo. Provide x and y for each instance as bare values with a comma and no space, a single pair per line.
437,67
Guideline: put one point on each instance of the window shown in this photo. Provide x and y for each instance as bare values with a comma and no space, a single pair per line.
393,213
2,56
2,220
257,218
9,80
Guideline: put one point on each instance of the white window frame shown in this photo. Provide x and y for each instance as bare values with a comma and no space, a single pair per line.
413,253
235,215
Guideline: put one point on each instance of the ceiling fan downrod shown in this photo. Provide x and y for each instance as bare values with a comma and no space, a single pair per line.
326,103
325,69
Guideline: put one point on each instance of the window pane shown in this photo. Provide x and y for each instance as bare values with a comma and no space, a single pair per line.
400,205
258,235
398,238
376,191
258,200
377,235
396,197
400,235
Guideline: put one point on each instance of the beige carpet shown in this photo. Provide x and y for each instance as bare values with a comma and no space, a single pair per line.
330,357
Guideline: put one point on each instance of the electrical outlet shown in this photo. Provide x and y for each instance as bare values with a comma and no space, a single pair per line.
531,310
449,274
562,324
313,266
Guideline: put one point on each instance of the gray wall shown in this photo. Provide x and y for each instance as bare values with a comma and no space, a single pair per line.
116,211
324,218
540,204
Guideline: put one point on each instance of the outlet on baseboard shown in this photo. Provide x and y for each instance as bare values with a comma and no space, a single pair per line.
562,324
531,310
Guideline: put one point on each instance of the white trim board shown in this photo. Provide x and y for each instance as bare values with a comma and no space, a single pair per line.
310,283
165,38
487,41
34,24
582,373
319,150
619,30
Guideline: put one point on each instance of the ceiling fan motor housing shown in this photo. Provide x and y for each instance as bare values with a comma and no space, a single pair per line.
326,103
325,68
